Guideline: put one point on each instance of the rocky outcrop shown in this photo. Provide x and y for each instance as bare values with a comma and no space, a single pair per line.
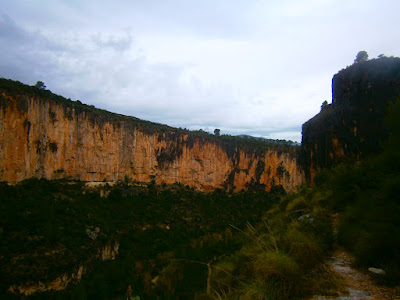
45,137
353,126
60,283
108,252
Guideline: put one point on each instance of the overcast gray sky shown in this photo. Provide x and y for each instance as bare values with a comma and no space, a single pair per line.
247,67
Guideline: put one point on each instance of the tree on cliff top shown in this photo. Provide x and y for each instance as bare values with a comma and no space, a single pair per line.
324,105
40,85
361,56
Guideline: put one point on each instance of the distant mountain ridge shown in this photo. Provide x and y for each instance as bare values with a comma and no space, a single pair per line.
272,141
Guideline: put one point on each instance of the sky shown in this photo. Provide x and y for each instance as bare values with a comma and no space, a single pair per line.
256,67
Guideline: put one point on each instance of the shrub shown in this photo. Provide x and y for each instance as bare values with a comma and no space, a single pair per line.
298,203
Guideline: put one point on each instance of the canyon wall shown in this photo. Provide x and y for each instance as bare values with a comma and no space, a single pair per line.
353,126
45,137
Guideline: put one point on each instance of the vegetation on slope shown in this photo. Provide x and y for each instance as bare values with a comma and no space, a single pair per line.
367,197
174,242
44,234
282,258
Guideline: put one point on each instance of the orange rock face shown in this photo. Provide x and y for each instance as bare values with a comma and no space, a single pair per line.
47,139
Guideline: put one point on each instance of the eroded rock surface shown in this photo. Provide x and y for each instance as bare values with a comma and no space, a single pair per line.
43,138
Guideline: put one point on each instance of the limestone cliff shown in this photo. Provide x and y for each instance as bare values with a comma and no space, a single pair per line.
353,126
46,136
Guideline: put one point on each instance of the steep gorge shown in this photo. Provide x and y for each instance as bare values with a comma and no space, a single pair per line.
45,137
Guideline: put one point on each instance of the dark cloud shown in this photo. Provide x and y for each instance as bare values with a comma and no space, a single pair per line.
10,32
19,51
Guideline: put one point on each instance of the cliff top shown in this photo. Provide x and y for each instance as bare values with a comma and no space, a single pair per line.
376,75
372,81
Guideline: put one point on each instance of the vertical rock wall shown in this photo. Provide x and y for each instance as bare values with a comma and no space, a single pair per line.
50,139
353,126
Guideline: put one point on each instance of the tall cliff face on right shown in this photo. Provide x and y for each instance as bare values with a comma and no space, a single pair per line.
353,125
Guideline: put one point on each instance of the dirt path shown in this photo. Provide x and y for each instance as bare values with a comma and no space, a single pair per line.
359,285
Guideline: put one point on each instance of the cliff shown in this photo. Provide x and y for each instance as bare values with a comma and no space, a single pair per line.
353,126
46,136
